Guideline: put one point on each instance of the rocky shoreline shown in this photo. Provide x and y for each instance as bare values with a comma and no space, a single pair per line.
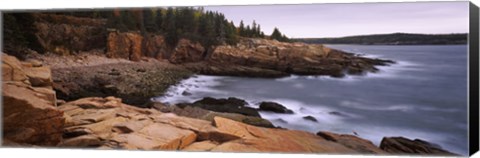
209,124
95,93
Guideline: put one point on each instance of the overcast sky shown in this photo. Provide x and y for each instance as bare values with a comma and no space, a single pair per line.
338,20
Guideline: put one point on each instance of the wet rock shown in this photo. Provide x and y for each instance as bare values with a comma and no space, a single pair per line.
310,118
274,107
229,105
281,120
186,93
352,142
197,112
337,113
401,145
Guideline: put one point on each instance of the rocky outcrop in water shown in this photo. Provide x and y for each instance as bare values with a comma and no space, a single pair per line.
352,142
290,58
274,107
401,145
228,105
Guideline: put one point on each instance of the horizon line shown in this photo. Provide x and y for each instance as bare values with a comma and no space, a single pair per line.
382,34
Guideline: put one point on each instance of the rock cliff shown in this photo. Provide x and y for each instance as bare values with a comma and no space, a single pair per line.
67,34
133,46
29,104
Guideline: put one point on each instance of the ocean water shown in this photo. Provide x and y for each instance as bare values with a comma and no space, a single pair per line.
423,95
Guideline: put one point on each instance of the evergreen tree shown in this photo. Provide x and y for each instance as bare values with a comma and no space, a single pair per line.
241,29
248,31
254,30
276,35
170,28
207,32
149,21
159,20
259,32
128,20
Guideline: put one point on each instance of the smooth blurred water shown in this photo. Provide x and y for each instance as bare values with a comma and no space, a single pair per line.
423,96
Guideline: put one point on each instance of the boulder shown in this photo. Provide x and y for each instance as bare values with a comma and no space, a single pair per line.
39,76
274,107
401,145
12,70
33,118
229,105
352,142
310,118
29,113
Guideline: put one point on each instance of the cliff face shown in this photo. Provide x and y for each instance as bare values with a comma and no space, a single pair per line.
124,45
66,35
29,104
134,46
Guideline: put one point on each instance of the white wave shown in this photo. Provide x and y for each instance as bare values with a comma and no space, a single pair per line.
188,89
393,71
358,105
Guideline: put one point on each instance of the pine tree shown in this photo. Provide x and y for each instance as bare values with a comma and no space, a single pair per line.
149,21
207,31
259,32
170,28
128,20
159,20
276,35
254,30
241,29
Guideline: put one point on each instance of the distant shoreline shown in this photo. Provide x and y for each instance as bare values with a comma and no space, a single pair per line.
393,39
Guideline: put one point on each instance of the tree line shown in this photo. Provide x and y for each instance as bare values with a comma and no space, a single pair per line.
207,27
193,23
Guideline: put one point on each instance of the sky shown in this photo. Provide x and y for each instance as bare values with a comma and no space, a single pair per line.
339,20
